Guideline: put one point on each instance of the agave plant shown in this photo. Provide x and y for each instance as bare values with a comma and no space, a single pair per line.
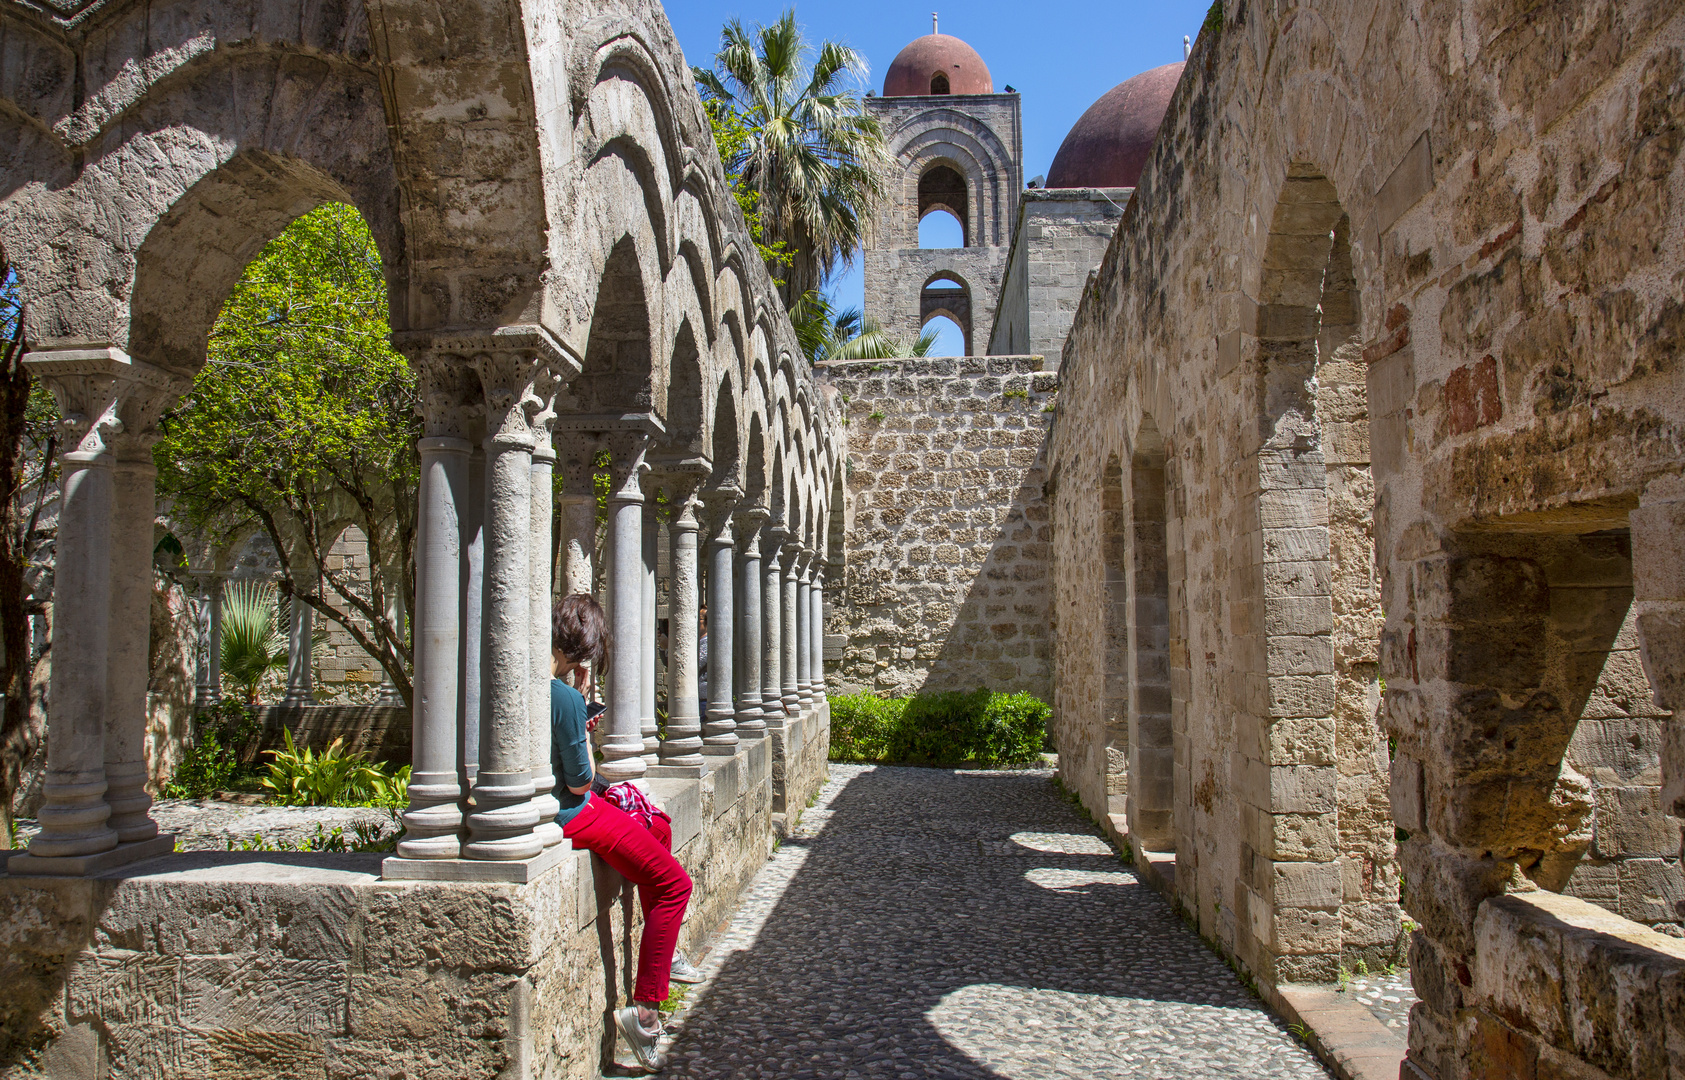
252,642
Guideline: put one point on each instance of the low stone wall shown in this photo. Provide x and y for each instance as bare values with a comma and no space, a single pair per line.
381,731
1561,987
801,749
296,966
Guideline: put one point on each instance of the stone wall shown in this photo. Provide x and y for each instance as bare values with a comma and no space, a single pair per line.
291,966
946,527
1060,236
1402,279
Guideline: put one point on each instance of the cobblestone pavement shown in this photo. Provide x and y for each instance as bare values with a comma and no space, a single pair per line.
934,924
1389,997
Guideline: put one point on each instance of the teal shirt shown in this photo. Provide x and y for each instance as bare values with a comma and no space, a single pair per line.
570,748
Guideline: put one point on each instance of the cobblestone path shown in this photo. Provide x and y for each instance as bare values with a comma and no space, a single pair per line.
931,924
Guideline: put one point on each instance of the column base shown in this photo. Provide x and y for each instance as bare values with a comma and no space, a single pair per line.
23,864
694,772
722,749
518,871
297,701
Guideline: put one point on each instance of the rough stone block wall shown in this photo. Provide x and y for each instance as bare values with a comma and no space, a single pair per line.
295,966
1408,279
947,530
1060,237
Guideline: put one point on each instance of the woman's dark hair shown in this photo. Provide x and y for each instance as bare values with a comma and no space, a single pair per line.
579,632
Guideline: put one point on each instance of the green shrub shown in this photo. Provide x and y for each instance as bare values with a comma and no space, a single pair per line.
980,728
335,777
216,760
862,726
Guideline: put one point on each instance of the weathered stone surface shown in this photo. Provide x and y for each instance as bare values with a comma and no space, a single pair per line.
948,528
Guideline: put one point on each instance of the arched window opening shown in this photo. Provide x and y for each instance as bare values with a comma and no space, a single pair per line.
949,338
944,188
945,310
939,83
940,229
302,344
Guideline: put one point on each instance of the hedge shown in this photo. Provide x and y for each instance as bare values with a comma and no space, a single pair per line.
981,728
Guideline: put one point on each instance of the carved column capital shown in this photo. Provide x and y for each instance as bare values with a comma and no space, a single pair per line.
106,400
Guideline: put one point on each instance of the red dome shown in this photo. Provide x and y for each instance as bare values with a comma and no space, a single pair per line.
915,68
1109,144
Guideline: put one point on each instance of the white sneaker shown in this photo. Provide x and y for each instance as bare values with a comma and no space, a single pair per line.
642,1040
683,971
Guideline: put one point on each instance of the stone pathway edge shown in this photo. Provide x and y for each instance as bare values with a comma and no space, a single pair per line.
1342,1032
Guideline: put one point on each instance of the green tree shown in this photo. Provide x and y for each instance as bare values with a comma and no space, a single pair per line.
28,477
303,422
803,144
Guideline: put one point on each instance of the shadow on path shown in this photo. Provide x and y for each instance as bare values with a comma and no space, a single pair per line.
930,923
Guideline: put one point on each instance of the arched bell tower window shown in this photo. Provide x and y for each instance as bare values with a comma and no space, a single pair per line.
941,187
939,83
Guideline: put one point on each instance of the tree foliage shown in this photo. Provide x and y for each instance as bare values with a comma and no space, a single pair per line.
303,422
826,333
800,139
28,476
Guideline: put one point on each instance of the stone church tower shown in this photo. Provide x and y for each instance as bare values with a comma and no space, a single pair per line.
957,146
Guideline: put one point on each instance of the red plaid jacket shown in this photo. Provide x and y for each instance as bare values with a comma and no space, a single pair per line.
630,798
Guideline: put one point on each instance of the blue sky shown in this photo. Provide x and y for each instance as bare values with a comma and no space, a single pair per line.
1060,64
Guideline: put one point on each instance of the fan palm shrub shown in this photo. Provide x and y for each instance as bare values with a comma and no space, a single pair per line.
812,153
252,642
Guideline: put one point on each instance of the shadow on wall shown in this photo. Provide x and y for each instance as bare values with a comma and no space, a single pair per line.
936,937
950,536
1001,635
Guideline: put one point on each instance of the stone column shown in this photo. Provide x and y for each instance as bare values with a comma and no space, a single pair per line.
501,825
471,514
623,747
579,513
791,693
433,822
74,816
804,629
647,636
301,633
207,689
751,724
683,745
394,583
818,635
772,615
719,727
134,508
538,628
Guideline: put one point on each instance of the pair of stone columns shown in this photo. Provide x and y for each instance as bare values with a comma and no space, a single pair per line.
482,786
95,810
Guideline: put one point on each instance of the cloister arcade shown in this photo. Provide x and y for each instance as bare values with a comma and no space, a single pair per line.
572,290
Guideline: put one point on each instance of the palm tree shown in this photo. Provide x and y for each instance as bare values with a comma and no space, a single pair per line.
828,334
252,644
812,154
